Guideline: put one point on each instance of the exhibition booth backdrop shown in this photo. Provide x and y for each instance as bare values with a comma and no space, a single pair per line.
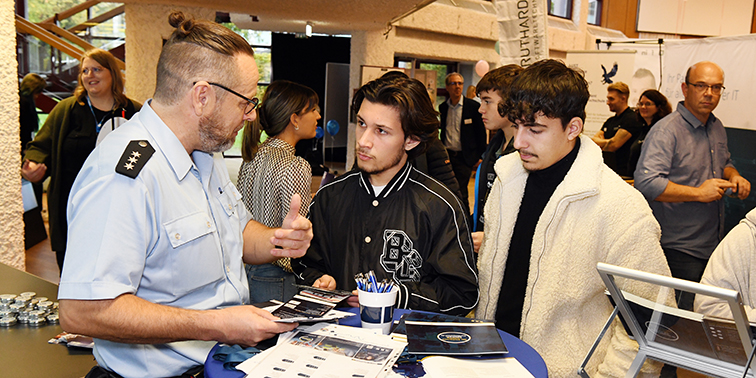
638,65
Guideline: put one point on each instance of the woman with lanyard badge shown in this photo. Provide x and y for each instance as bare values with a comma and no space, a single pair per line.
71,132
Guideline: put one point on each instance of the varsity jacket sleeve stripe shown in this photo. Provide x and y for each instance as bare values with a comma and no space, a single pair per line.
453,287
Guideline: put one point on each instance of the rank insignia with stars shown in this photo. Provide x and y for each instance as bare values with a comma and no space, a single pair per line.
134,158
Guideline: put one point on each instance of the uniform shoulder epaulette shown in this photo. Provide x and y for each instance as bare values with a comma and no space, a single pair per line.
134,158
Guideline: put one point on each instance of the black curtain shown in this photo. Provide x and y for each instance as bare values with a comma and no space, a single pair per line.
303,61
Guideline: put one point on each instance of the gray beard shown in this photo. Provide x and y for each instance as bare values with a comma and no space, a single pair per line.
211,138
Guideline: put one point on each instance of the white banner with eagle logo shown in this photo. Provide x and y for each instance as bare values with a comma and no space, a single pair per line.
601,68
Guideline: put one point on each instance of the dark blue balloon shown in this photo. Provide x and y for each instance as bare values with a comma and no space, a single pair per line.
332,127
318,132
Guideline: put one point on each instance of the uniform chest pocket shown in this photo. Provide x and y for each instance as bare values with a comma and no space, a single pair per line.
229,199
188,228
194,261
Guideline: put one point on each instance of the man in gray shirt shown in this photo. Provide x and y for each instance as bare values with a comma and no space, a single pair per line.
684,170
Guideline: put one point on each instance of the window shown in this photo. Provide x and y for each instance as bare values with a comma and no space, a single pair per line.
594,12
560,8
261,42
441,68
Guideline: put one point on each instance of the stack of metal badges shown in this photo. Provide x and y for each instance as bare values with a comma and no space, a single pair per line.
27,308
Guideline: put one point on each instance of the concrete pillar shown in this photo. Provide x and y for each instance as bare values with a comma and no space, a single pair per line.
11,206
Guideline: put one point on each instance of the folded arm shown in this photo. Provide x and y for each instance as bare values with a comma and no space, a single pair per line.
614,143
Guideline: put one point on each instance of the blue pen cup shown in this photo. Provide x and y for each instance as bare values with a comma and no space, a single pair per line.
377,309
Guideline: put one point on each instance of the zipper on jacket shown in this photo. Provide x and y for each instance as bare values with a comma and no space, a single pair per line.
543,250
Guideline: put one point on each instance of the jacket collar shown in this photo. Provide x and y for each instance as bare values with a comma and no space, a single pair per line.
397,182
583,176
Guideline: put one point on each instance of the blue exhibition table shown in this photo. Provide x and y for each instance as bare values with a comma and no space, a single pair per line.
521,351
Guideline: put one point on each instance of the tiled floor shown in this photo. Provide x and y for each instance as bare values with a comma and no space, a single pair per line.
40,259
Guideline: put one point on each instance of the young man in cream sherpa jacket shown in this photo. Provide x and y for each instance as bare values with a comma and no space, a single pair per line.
732,265
556,210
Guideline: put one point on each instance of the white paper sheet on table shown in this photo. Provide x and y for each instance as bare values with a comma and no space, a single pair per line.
326,350
340,349
449,367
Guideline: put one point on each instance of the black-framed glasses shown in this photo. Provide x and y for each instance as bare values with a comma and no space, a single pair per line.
701,87
251,102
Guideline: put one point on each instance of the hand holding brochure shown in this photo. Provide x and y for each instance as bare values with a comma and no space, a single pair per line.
310,305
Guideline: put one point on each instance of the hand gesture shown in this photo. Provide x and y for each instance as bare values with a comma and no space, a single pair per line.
32,171
295,233
713,189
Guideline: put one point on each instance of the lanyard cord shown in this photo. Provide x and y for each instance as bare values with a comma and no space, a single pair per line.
100,122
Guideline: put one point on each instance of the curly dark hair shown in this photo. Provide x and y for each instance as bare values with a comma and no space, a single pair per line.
548,87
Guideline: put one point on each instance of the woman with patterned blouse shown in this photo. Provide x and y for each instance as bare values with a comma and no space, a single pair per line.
271,174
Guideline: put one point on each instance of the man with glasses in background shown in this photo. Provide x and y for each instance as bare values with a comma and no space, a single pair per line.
684,170
462,132
158,234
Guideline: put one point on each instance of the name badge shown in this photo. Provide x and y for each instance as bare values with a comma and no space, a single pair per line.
468,121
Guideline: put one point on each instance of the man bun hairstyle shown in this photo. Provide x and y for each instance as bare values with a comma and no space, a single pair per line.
408,96
548,87
197,50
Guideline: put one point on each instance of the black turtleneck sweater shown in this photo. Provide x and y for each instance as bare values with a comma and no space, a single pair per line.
538,190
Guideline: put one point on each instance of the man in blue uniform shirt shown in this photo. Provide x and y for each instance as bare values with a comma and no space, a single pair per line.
389,217
157,231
